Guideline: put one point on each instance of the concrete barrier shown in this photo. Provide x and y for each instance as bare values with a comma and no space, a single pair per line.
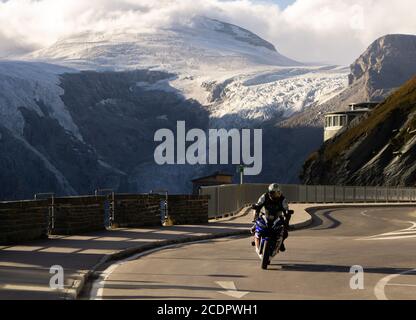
228,199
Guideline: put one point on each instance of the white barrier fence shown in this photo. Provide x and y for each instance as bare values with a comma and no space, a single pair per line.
229,199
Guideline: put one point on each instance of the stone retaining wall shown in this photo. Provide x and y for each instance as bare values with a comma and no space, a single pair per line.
78,215
28,220
133,211
23,221
188,209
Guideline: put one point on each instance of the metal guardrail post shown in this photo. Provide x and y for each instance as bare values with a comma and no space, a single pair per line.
343,194
365,194
388,195
166,203
111,214
217,196
51,213
306,194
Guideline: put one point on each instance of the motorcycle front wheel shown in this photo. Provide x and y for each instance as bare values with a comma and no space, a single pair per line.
266,255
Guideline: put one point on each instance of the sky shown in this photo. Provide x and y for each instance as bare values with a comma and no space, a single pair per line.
327,31
283,3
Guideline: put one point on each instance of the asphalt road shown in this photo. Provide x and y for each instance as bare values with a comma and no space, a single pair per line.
317,263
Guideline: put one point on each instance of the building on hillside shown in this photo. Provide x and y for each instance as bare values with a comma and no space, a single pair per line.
216,179
335,121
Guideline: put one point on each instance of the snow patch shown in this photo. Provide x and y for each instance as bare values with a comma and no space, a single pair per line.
108,166
22,84
161,85
279,93
232,71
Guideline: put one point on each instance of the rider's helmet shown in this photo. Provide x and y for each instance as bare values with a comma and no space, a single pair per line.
275,191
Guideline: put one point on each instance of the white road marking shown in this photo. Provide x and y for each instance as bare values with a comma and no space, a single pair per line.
379,289
18,287
401,285
395,235
98,286
406,232
390,238
228,285
231,289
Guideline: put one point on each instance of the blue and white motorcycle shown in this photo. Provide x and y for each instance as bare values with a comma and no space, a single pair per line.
271,230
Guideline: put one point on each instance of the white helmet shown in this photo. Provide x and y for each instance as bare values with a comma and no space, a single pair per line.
274,188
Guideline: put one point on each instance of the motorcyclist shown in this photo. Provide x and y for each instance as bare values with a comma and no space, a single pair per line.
276,204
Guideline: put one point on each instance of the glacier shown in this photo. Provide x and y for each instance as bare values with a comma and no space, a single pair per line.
231,76
224,67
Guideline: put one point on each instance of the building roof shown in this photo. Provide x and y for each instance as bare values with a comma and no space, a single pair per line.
215,174
347,112
366,104
361,107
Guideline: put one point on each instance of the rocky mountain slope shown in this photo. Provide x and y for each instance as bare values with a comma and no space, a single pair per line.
379,150
385,66
82,114
107,136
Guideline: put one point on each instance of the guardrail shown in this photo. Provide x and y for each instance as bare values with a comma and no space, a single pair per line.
229,199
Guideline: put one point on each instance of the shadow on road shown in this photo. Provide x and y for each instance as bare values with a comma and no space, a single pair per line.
130,286
336,268
154,298
226,276
328,222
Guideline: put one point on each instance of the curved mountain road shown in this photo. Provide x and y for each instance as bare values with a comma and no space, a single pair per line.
316,265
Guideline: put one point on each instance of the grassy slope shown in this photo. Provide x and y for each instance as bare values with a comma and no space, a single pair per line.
341,157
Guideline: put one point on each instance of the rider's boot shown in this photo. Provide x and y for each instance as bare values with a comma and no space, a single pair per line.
282,247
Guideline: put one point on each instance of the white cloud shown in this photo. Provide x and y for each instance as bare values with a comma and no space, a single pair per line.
334,31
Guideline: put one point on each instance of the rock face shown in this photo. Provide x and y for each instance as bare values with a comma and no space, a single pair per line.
388,62
386,65
379,150
81,115
115,119
116,115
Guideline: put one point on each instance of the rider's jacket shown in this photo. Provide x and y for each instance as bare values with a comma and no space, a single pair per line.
273,206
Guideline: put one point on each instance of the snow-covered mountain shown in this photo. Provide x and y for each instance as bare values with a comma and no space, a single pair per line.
197,44
223,66
385,66
82,113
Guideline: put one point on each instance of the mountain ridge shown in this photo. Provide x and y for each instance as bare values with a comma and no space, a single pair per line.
385,66
377,150
198,40
88,121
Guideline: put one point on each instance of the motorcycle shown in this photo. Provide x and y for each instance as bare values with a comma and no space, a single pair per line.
271,229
